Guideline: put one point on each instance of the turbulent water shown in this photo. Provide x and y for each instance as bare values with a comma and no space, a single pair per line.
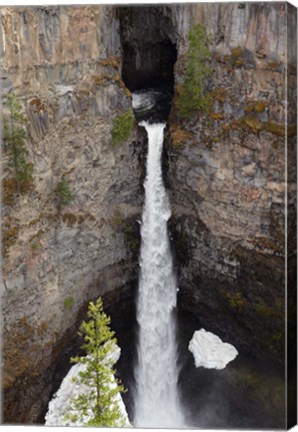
156,400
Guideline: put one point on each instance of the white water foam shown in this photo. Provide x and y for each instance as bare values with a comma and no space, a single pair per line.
210,351
156,400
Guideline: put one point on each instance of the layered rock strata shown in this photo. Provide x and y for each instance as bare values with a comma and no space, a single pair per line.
63,64
227,174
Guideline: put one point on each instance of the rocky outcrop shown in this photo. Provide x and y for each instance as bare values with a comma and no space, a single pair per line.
226,173
63,63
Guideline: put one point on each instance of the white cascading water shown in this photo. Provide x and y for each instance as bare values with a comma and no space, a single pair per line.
156,401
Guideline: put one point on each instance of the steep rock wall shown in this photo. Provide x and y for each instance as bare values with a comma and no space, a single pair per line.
226,173
225,177
63,64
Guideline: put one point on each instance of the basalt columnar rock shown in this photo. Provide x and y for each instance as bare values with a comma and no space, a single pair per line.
64,65
225,170
227,174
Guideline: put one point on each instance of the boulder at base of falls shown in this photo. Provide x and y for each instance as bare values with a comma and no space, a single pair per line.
210,351
59,405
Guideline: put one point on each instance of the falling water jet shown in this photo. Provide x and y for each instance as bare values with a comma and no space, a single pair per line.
156,400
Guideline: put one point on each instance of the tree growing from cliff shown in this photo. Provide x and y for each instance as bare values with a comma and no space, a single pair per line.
191,94
98,403
14,134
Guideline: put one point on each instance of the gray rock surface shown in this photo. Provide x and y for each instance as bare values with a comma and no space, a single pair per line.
226,179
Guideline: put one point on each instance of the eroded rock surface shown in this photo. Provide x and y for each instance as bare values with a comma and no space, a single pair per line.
226,172
63,63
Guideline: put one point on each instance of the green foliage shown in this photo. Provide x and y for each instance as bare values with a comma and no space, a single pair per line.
122,127
191,97
14,135
99,342
236,301
63,193
68,303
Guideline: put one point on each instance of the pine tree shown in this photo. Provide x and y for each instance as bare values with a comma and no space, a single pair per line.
191,98
98,404
14,140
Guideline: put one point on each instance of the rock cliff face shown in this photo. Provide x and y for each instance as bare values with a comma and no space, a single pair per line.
225,174
63,63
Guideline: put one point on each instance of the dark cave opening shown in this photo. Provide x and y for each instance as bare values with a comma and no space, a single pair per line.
149,50
148,41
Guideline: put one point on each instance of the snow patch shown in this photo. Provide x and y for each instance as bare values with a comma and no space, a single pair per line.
210,351
59,405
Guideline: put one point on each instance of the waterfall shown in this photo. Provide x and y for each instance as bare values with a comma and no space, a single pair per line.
156,400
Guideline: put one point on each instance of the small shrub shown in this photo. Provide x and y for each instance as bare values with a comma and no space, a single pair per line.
63,193
102,78
122,127
235,301
179,137
237,56
68,303
218,94
111,61
216,116
69,218
260,106
192,98
35,245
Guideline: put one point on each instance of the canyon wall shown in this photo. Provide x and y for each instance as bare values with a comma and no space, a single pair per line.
63,64
225,175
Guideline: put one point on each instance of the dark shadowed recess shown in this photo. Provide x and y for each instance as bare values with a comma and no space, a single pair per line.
149,51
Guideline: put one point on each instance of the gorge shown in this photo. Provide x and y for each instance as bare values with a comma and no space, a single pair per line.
224,171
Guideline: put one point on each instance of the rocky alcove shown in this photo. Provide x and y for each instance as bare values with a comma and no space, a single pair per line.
148,40
149,51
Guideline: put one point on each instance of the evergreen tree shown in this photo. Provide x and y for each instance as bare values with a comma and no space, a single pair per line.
14,140
98,403
191,98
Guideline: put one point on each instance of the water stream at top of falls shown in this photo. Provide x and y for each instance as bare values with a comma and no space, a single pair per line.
156,400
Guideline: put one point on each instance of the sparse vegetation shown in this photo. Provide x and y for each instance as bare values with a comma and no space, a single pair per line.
237,56
63,194
191,97
10,234
113,61
68,303
235,300
119,223
15,136
23,348
122,127
179,137
36,245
